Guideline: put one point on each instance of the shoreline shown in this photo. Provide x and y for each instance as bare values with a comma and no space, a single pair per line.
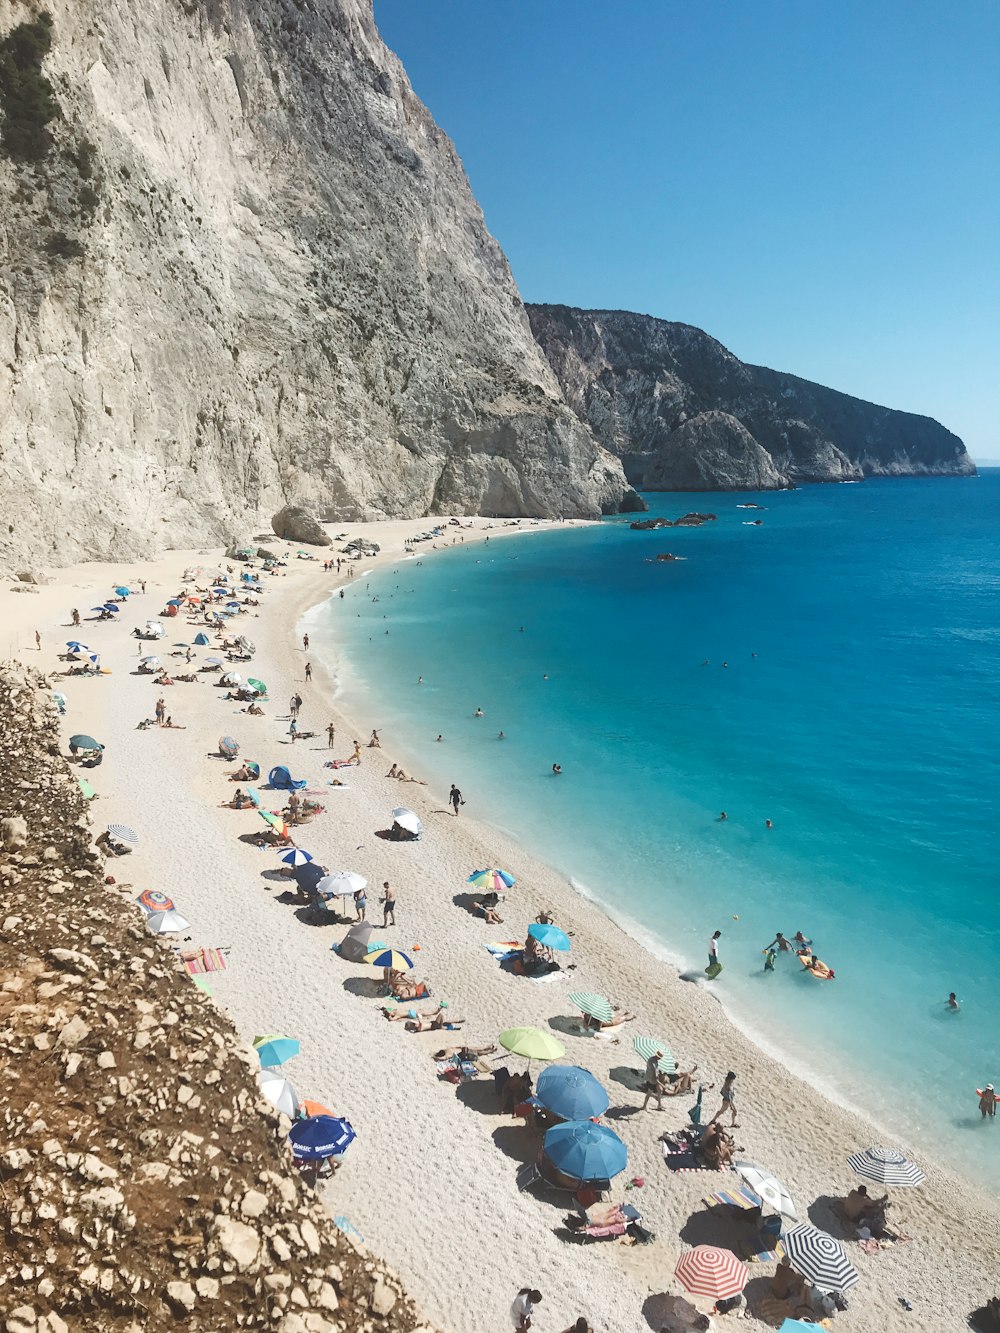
384,1078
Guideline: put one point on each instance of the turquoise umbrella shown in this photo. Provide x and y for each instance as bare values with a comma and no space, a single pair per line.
275,1050
585,1151
551,937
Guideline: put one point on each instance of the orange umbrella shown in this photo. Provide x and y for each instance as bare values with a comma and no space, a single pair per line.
309,1109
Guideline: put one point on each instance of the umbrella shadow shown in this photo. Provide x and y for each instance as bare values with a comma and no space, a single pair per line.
715,1226
480,1095
822,1213
466,900
309,916
622,1112
277,876
657,1309
517,1142
367,987
628,1077
568,1026
756,1290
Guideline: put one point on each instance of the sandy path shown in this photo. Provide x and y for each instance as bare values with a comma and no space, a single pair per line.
430,1180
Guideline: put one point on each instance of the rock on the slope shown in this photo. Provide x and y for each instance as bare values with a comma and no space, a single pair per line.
683,413
296,524
248,272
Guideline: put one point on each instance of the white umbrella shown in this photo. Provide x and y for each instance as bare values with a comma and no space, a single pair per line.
154,627
167,923
769,1187
408,819
341,882
149,661
232,678
887,1166
280,1093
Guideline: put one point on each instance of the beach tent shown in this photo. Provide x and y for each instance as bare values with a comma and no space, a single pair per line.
280,777
201,640
354,945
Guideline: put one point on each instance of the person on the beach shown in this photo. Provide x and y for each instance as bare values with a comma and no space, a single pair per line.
434,1022
374,743
581,1325
388,905
393,771
309,671
76,616
545,918
802,945
293,729
38,641
728,1094
161,712
463,1052
174,726
987,1101
305,642
356,756
952,1002
488,912
293,706
713,948
360,904
524,1304
455,797
331,735
654,1081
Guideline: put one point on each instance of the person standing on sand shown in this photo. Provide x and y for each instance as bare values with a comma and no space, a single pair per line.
161,711
523,1308
713,948
356,756
309,671
38,641
360,903
293,729
76,616
455,797
388,904
305,642
654,1081
331,735
728,1094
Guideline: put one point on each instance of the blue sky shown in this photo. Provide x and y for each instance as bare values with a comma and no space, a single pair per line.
815,184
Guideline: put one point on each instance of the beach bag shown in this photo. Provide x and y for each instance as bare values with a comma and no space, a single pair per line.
713,970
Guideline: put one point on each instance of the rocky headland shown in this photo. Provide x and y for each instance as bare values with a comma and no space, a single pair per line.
684,414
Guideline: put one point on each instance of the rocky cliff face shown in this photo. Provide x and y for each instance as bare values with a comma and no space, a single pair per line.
241,266
683,413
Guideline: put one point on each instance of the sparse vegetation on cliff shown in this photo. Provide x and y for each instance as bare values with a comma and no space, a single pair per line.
26,97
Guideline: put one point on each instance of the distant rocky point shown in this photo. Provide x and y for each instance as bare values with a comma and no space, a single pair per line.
684,414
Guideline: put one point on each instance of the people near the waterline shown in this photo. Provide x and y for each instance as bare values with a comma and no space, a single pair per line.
523,1307
800,941
455,798
952,1002
393,771
360,904
388,904
356,756
305,642
987,1101
713,948
331,735
728,1094
309,671
768,824
374,743
439,737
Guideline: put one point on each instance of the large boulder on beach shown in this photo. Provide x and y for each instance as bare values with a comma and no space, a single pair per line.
298,525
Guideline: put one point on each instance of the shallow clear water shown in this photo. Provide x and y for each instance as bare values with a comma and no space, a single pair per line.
861,626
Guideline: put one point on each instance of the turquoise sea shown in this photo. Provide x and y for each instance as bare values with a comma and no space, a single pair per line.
850,696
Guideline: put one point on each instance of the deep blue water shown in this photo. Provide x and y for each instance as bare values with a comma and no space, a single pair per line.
858,712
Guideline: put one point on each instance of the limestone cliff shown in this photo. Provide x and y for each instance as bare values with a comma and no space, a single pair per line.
240,266
683,413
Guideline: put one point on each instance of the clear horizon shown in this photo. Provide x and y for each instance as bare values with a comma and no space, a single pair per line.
819,189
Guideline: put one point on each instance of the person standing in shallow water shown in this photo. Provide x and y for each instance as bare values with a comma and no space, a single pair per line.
713,948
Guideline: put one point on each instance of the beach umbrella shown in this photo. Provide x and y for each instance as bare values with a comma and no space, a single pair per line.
550,937
320,1137
819,1258
295,857
228,747
494,880
167,922
213,661
113,607
95,658
276,821
342,882
173,601
647,1048
102,608
123,833
275,1049
711,1271
152,900
122,591
767,1187
201,640
246,645
308,876
532,1043
280,1093
232,678
571,1093
308,1109
149,661
257,685
585,1151
887,1166
254,795
75,647
595,1006
791,1324
232,605
83,743
399,962
407,819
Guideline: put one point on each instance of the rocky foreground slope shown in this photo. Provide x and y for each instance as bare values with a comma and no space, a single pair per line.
145,1184
683,413
240,266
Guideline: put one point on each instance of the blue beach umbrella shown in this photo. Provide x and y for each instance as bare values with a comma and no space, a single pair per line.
122,591
75,647
84,743
173,601
275,1050
551,937
112,607
101,608
319,1137
254,795
308,876
585,1151
295,857
571,1093
201,640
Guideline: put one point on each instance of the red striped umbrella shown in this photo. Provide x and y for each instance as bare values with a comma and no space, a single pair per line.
709,1270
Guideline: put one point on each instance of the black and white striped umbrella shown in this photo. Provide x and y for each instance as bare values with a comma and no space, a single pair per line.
123,833
819,1258
887,1166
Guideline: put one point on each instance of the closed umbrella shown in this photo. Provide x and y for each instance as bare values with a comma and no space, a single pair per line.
320,1137
711,1271
275,1049
295,857
532,1043
152,900
767,1187
571,1093
123,833
280,1093
887,1166
168,922
341,882
585,1151
647,1048
819,1258
551,937
399,962
595,1006
407,819
495,881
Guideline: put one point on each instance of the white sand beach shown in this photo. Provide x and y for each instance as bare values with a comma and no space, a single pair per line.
430,1180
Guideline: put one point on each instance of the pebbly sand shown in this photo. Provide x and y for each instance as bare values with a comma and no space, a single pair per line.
430,1181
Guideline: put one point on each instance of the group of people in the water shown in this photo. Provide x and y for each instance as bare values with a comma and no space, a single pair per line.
803,950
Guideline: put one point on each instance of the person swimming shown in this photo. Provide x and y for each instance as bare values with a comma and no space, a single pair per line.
557,768
478,713
952,1002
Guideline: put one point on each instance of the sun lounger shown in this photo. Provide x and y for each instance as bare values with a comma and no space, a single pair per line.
208,960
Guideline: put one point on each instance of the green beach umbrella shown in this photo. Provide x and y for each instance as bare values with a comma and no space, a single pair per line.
532,1043
274,820
595,1006
257,685
647,1048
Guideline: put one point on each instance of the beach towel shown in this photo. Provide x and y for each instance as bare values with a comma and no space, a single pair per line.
682,1161
208,960
548,977
502,952
735,1198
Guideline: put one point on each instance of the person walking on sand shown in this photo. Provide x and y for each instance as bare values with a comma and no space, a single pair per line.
331,735
987,1101
76,616
523,1308
293,729
356,756
654,1081
38,641
309,672
388,904
293,705
360,903
305,642
728,1094
455,797
713,948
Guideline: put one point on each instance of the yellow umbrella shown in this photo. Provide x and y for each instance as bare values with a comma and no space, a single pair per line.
532,1043
390,958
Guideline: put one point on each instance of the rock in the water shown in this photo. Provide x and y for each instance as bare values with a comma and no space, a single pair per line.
298,525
